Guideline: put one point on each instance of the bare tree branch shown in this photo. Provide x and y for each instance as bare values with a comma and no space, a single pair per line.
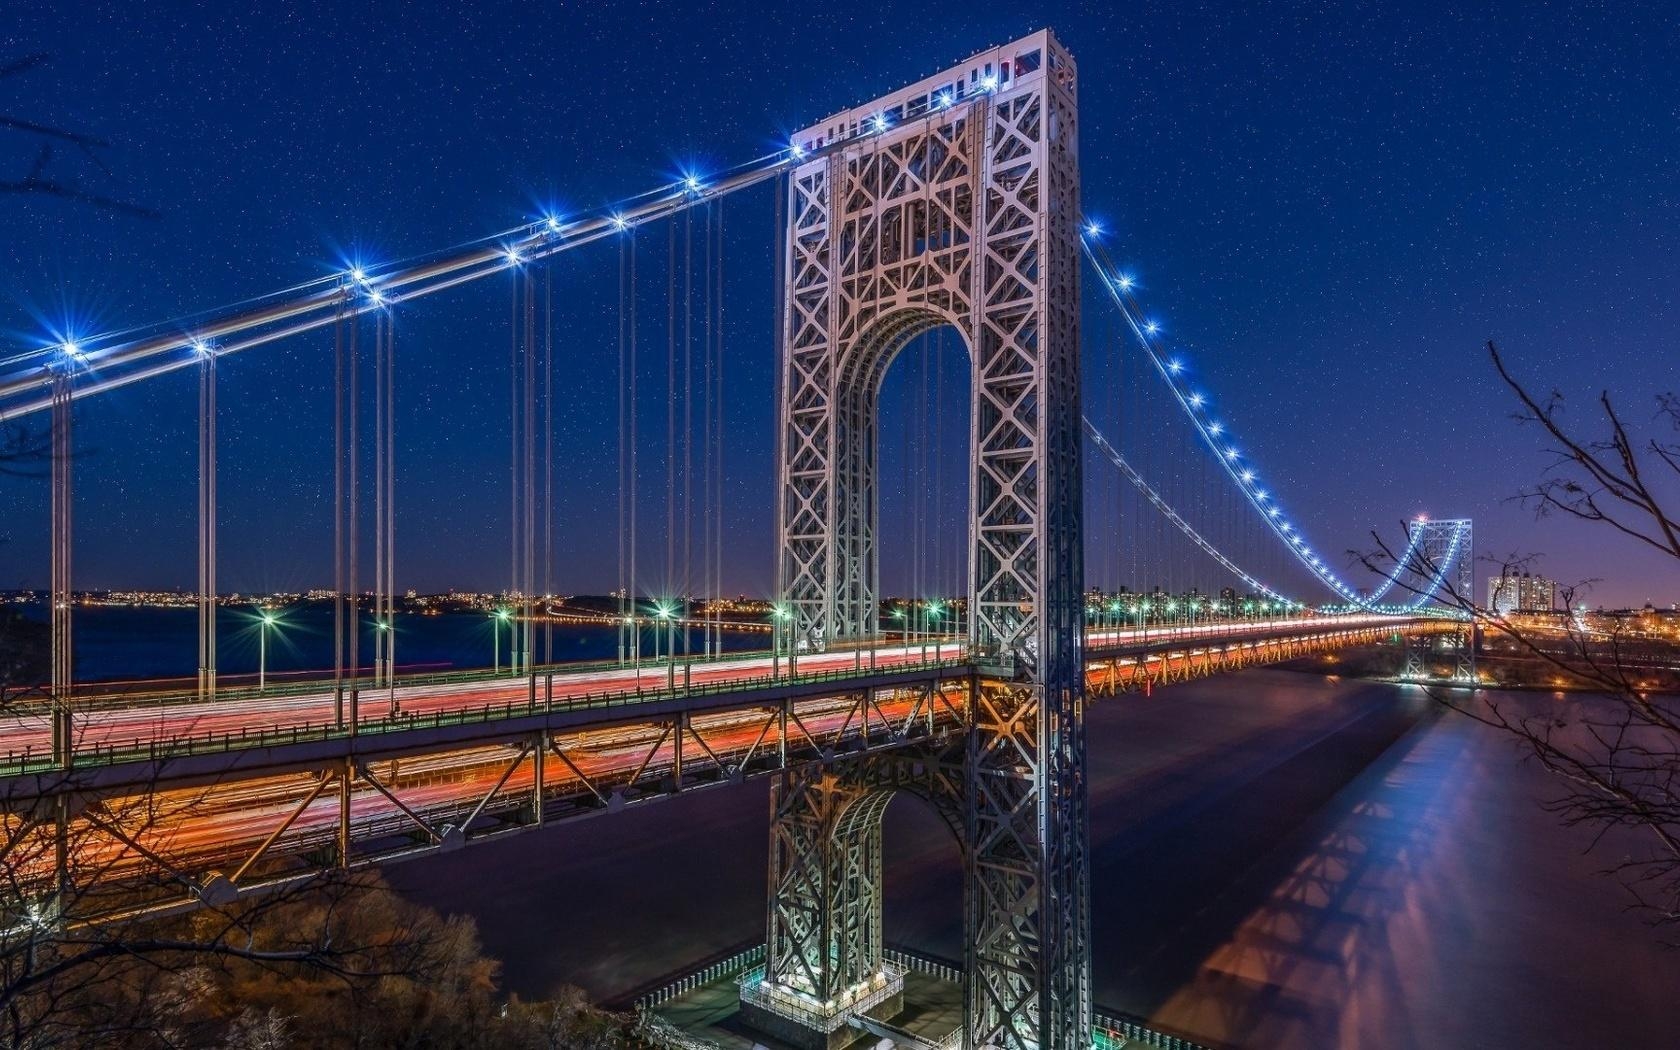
1616,749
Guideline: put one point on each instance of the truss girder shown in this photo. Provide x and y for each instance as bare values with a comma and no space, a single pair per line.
1123,674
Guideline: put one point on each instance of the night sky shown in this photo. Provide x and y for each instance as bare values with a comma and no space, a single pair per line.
1330,208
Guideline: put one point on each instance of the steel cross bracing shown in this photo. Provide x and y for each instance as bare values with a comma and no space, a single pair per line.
961,210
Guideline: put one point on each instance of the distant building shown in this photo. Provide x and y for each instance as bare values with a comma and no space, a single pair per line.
1524,593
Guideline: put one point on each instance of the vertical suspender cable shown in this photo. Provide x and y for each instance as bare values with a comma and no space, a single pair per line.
513,464
381,626
671,413
206,524
625,439
939,519
707,449
548,455
390,500
715,445
528,581
687,426
338,513
923,425
719,443
632,431
778,267
513,453
906,468
353,625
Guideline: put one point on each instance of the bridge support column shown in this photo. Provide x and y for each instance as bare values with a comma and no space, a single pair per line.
1027,894
823,961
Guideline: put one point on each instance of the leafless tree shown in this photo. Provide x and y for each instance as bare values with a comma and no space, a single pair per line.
1616,752
42,177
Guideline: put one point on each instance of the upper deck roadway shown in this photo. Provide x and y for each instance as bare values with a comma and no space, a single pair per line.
137,727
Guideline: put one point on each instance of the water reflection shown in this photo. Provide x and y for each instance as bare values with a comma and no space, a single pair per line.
1278,861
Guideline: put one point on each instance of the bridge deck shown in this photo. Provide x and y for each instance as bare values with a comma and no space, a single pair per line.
252,785
123,727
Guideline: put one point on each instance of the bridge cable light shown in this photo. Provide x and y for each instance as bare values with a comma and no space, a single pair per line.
1226,455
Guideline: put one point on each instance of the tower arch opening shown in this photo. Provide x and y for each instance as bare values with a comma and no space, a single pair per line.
909,524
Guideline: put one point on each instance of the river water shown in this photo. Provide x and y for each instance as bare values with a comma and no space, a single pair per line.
1279,860
115,642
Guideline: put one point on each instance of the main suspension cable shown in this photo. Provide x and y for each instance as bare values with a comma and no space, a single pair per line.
1119,289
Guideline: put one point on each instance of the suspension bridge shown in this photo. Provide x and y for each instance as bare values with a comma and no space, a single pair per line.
950,205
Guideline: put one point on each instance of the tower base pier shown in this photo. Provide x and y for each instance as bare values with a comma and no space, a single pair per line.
803,1022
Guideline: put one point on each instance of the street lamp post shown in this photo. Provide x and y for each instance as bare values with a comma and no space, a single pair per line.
670,645
384,628
778,617
499,617
267,620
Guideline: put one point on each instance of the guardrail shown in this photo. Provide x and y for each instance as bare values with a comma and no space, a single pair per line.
129,694
156,749
733,966
34,758
807,1011
1108,1031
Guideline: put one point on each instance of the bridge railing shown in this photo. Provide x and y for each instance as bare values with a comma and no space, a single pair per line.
155,749
733,966
1108,1031
291,684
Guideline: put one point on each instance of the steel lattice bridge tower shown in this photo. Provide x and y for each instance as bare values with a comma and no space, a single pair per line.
964,212
1441,555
